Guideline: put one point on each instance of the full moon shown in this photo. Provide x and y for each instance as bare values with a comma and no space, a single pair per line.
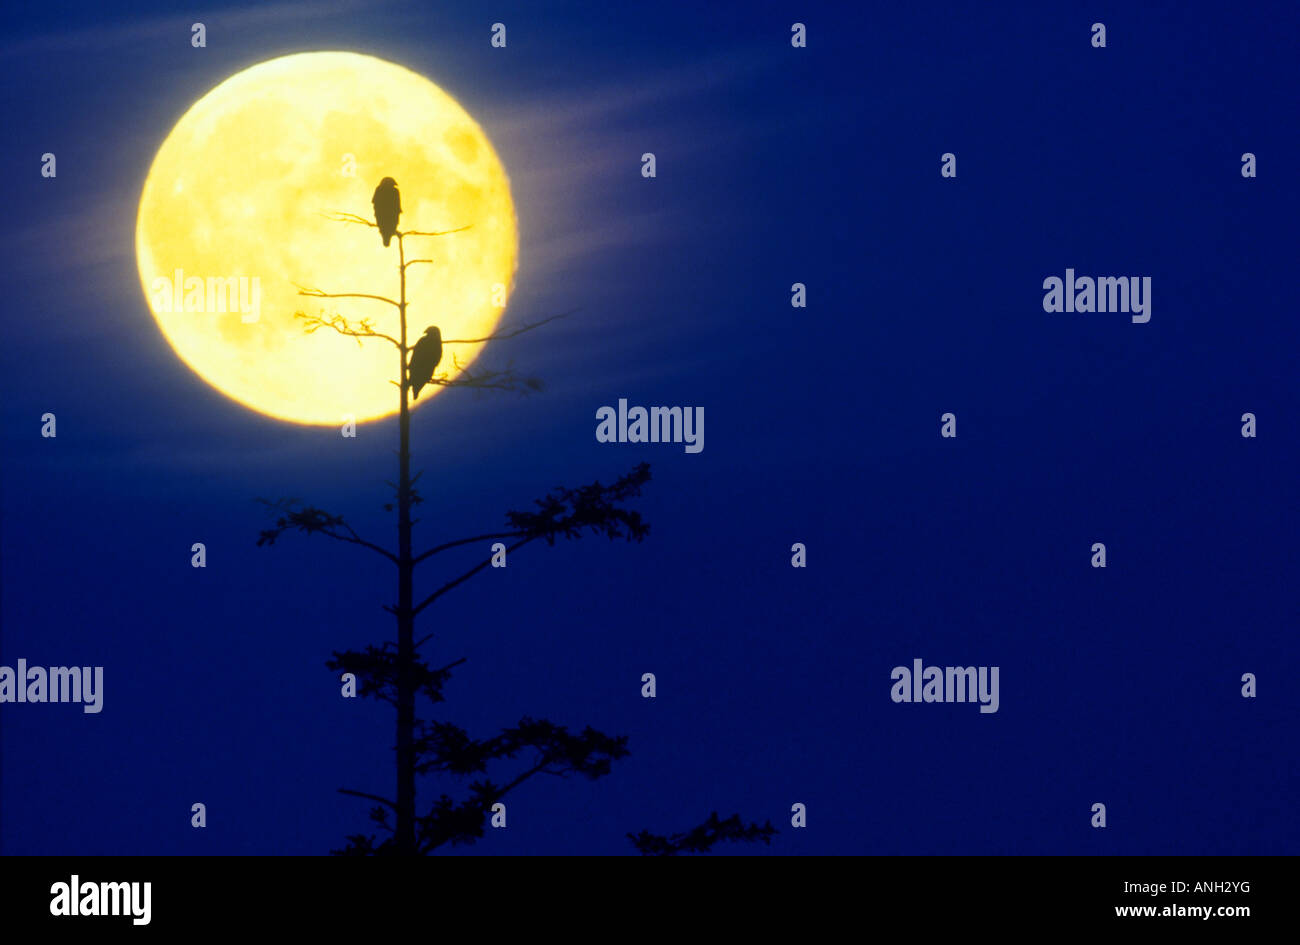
236,200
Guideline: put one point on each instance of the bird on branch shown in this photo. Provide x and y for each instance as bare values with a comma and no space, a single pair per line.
388,207
424,359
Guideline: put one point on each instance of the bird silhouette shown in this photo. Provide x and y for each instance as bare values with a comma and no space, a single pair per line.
388,207
424,358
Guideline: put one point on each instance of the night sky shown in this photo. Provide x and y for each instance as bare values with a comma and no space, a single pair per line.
775,165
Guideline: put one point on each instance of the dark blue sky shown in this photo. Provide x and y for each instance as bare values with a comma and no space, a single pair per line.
775,165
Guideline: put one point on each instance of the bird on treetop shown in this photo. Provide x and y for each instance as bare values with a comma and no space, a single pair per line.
424,359
388,207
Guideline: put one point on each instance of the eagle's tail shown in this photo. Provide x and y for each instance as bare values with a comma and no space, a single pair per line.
387,237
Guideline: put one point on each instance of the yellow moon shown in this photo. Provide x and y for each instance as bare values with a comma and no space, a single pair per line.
239,190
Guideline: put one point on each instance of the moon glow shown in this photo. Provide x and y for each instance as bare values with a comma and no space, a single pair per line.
238,189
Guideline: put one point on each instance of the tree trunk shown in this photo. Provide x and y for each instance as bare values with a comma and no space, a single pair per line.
404,837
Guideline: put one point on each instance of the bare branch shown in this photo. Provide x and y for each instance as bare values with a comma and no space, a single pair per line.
535,769
461,580
364,329
500,336
507,379
319,294
339,216
353,538
369,797
433,232
463,541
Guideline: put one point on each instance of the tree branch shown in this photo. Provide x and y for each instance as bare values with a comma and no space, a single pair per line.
353,538
506,379
341,325
702,838
404,233
320,294
378,673
535,769
314,521
501,336
567,513
559,753
340,216
369,797
461,580
463,541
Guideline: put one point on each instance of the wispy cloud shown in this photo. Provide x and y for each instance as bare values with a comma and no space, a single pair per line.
585,107
101,231
102,38
571,153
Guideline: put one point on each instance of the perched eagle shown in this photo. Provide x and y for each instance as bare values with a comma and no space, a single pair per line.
388,207
424,358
